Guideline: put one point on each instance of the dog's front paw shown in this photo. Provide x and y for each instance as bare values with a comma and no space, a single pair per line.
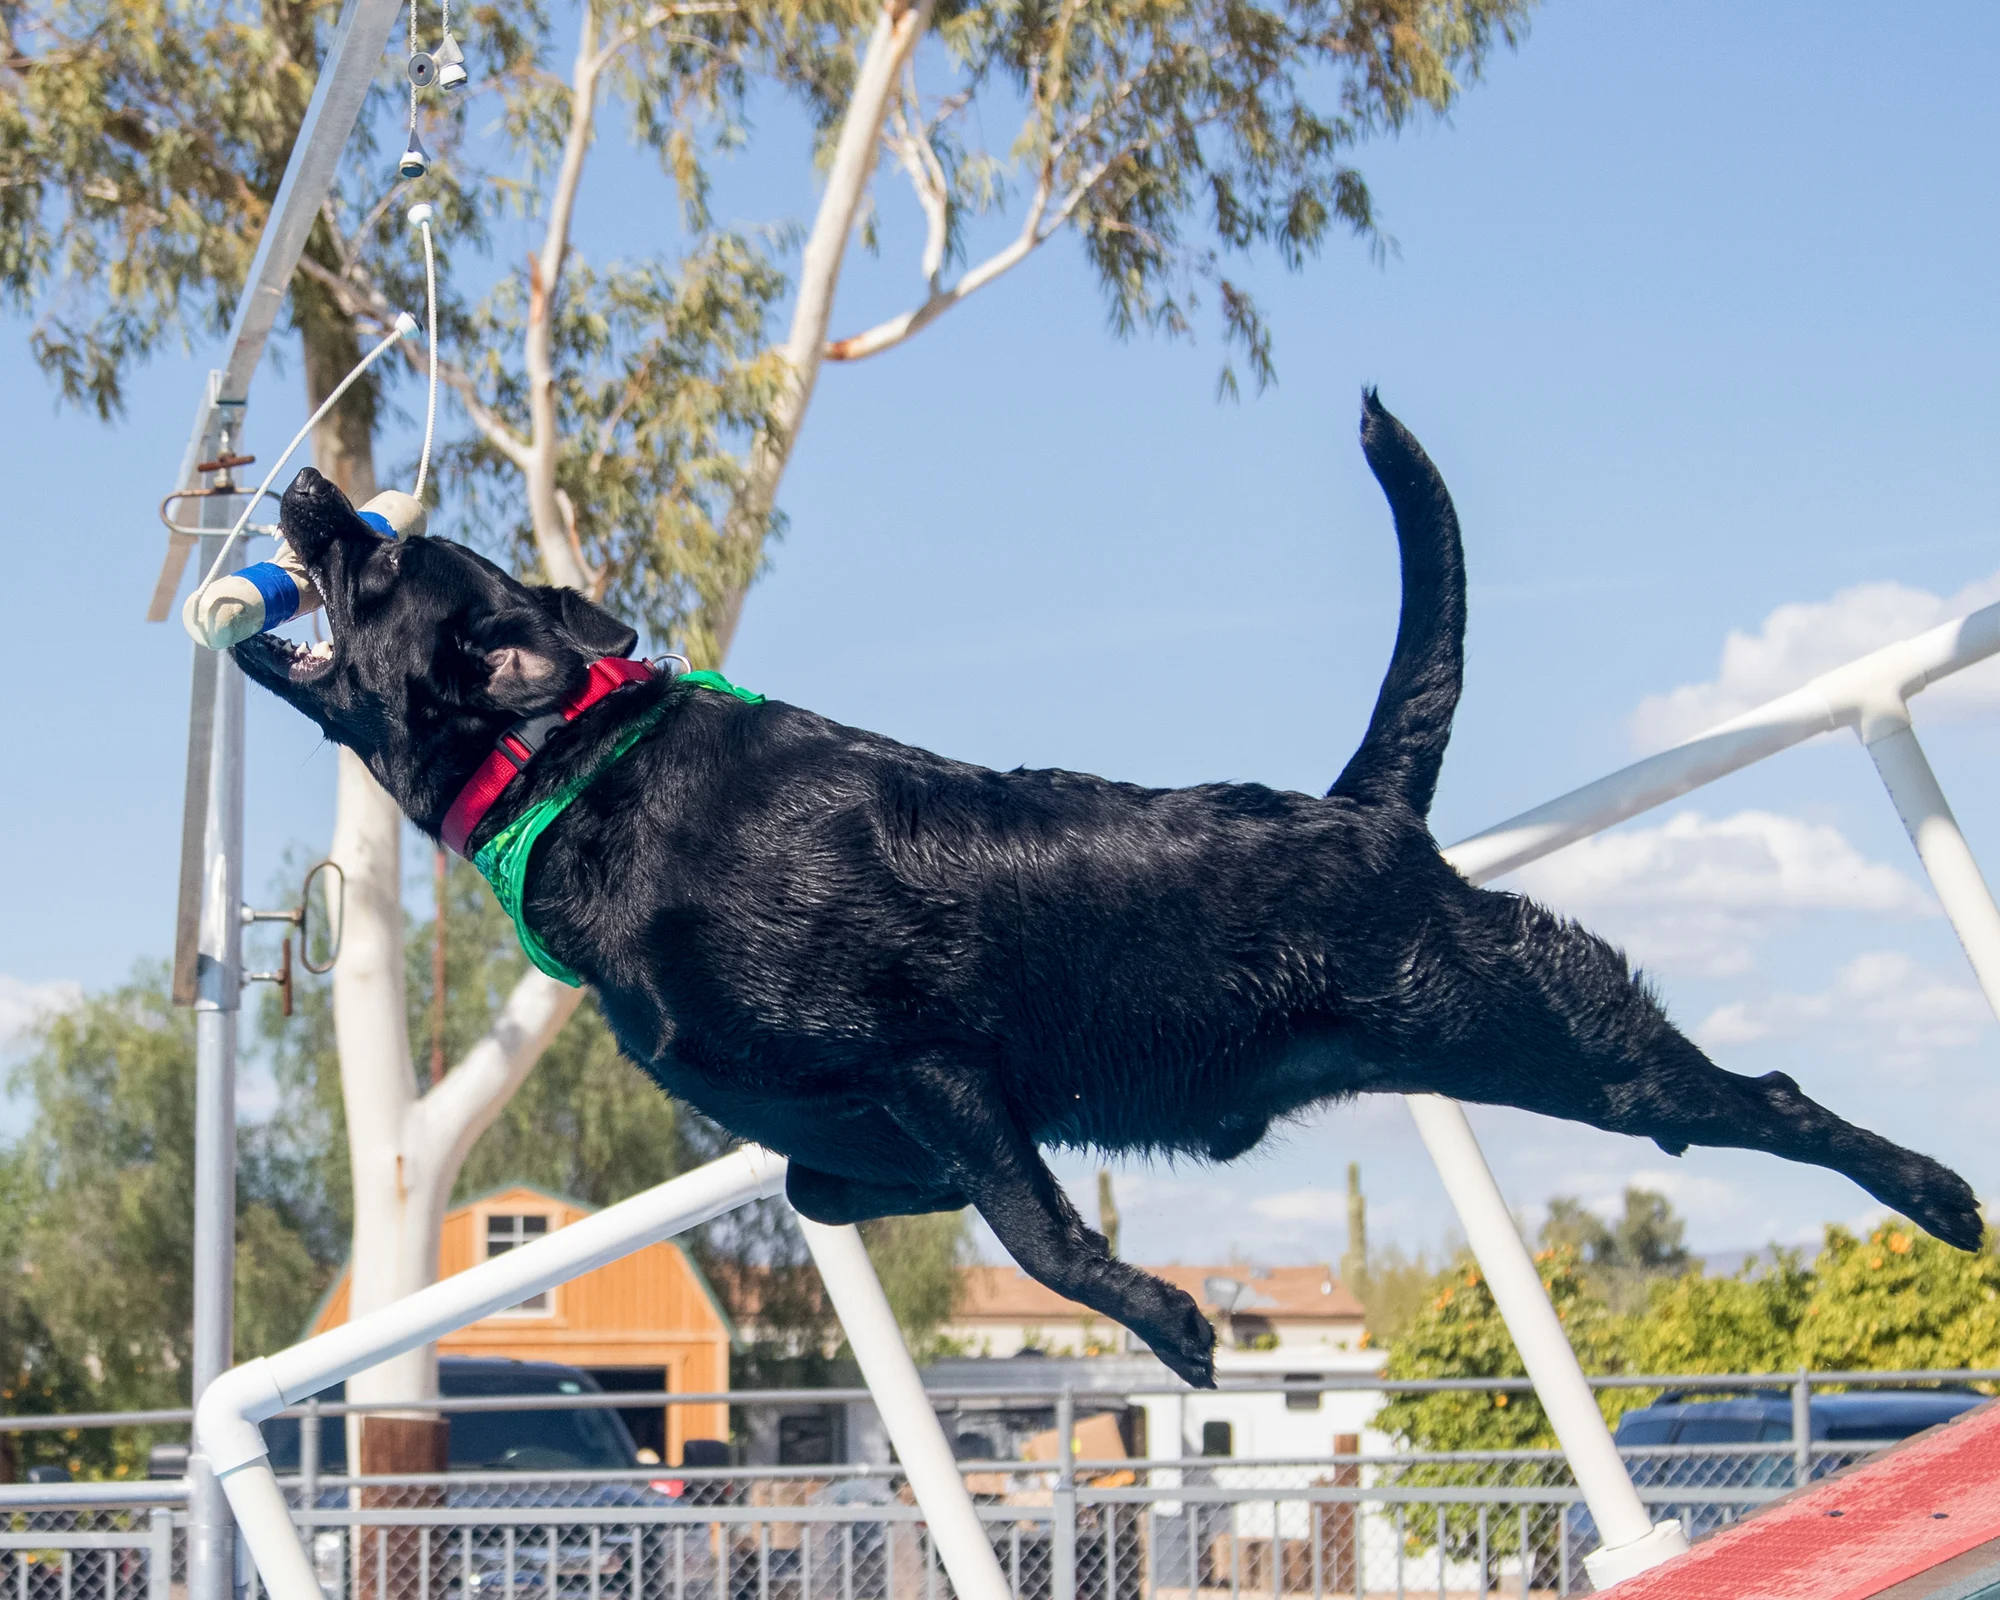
1182,1337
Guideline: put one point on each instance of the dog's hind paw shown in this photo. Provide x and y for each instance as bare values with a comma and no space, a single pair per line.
1957,1223
1184,1340
1942,1204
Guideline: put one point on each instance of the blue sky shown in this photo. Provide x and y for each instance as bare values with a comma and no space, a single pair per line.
1693,306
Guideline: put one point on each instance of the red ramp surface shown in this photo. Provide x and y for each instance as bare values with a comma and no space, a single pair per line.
1891,1519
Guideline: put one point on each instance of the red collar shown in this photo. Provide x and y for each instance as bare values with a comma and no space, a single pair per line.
521,743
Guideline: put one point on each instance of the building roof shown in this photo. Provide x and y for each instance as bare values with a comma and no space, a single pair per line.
1278,1294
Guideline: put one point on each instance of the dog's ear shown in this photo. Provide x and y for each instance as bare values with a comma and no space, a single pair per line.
589,624
520,678
516,658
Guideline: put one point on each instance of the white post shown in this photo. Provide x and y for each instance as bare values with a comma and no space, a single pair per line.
1961,886
219,997
906,1411
1631,1541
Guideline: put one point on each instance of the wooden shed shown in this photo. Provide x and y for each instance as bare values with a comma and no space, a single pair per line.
646,1321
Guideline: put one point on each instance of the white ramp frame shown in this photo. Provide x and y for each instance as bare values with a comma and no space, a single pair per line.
227,1416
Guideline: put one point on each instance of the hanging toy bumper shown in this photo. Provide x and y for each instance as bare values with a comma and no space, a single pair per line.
271,593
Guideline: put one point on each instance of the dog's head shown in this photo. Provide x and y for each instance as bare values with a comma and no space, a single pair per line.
433,650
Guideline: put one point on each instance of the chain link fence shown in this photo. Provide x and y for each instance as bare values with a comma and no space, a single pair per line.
1457,1526
107,1553
1360,1525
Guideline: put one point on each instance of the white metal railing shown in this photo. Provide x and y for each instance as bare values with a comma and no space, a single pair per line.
229,1410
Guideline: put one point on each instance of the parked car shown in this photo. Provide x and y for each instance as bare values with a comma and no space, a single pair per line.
528,1442
1870,1416
491,1441
1864,1419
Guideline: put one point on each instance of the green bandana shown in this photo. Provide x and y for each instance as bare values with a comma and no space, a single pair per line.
503,860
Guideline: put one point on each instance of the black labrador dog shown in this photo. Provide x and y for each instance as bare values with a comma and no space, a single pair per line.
907,973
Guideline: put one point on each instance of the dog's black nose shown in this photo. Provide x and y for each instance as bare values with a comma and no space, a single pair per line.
314,513
309,487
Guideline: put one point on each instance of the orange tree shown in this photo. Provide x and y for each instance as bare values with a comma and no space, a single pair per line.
1460,1334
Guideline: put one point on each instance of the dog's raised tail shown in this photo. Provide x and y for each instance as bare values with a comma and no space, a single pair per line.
1403,750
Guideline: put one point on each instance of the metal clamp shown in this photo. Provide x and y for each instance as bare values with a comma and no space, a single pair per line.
225,486
297,917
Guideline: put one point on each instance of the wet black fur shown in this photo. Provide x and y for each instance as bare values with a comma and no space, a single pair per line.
907,973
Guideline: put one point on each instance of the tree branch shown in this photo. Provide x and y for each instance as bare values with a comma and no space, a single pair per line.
544,280
1033,235
363,302
898,27
651,20
492,427
919,159
456,1112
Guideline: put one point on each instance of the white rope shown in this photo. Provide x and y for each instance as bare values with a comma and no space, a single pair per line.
405,326
431,404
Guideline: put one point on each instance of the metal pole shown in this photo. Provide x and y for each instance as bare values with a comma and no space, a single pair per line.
1954,874
309,1446
957,1535
1631,1540
219,989
1801,1429
1062,1536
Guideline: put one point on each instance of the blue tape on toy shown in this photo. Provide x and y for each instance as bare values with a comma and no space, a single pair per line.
281,594
379,523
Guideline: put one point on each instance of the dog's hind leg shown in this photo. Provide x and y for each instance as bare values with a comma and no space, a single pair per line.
982,1149
1689,1100
1527,1009
834,1200
1595,1047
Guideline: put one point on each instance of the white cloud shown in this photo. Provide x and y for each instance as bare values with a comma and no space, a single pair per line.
22,1005
1303,1205
1799,641
1693,895
1881,1003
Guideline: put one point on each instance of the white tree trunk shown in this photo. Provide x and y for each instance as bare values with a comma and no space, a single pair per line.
395,1229
406,1149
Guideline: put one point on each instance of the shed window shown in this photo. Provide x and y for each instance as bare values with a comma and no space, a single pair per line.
504,1231
1218,1439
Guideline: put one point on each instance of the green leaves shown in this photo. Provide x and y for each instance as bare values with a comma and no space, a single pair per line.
1897,1300
662,379
140,143
1900,1298
1173,134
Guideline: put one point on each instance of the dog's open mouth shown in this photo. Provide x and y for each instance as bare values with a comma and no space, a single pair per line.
298,661
306,662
